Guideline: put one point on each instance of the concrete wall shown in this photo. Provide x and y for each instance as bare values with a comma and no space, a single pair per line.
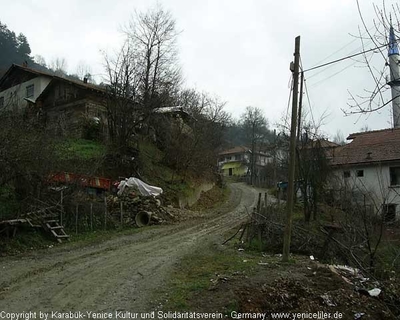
14,96
374,184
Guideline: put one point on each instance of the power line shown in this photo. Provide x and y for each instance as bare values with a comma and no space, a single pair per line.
344,58
313,85
345,46
308,97
289,100
309,102
330,66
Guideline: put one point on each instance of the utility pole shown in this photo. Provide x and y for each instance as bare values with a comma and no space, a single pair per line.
275,147
300,107
292,153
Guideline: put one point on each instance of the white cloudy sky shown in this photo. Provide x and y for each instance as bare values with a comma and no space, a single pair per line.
239,50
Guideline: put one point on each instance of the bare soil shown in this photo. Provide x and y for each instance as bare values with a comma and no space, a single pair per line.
119,274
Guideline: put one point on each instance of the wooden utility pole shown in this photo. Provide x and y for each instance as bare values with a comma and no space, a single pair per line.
292,154
274,173
300,107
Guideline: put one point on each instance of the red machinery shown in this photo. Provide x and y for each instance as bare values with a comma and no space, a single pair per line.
82,180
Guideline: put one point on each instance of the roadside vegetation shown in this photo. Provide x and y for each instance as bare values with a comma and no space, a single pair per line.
228,280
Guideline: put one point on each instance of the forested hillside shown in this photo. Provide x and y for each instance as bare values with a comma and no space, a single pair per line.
13,48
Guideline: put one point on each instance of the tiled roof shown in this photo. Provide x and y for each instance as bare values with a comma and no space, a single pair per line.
238,149
369,147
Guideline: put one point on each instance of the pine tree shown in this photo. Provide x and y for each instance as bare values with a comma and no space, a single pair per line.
13,49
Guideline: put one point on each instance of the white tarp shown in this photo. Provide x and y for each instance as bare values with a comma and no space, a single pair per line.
144,188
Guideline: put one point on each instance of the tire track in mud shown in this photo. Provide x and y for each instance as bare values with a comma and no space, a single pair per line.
120,274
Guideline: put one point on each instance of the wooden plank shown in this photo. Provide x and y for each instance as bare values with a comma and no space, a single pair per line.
56,227
62,236
14,221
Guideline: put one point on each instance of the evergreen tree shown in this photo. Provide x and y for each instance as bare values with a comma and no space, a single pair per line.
13,49
23,47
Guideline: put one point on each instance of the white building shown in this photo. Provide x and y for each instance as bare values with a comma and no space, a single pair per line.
22,87
368,169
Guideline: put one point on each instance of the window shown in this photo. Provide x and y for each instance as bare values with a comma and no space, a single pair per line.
1,102
30,91
394,176
360,173
346,174
238,157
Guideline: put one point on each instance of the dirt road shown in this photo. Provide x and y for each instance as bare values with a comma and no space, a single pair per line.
119,274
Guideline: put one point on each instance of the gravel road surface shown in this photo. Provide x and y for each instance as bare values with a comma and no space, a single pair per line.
118,274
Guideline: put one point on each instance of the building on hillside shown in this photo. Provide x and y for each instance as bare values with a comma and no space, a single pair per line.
59,103
234,161
237,161
368,169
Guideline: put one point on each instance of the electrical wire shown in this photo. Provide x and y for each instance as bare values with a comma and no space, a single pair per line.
289,100
332,65
344,58
306,91
332,75
346,45
309,101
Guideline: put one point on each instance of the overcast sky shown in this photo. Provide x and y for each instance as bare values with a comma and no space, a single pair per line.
238,50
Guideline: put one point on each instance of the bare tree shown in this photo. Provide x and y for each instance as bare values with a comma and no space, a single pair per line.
143,75
83,70
40,60
313,170
339,138
124,111
59,66
191,143
152,40
374,98
255,127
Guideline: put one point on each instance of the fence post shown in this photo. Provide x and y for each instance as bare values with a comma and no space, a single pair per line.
62,207
105,212
91,217
265,202
279,196
76,218
121,211
259,202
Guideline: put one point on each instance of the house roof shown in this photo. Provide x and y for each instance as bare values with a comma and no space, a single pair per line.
237,149
369,147
5,81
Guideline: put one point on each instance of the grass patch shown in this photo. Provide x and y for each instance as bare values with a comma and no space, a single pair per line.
81,148
156,173
25,240
196,271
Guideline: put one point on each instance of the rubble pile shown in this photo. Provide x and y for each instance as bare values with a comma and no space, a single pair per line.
132,204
